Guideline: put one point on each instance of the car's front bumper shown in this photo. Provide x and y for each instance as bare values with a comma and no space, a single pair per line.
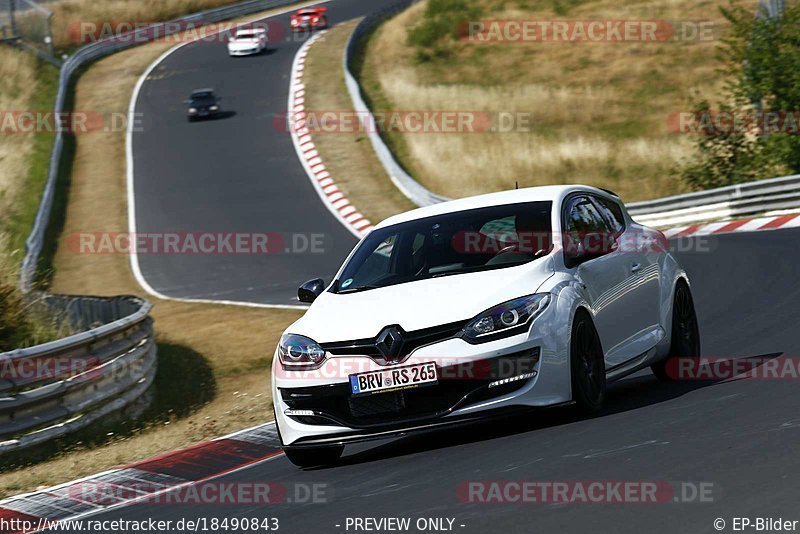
352,436
243,51
316,408
307,26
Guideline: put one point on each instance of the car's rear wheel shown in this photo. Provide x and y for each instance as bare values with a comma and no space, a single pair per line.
587,365
685,341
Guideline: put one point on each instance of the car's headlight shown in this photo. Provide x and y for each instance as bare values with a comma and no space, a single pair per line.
300,353
214,108
509,318
192,110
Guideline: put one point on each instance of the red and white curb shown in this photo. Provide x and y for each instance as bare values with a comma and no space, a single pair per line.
774,222
142,481
333,198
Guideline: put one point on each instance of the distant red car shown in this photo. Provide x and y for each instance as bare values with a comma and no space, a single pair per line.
309,19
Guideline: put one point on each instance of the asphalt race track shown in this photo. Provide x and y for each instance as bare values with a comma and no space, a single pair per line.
241,174
742,436
235,174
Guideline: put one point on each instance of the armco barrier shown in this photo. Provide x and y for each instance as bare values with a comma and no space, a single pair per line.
51,389
412,189
84,56
735,201
743,200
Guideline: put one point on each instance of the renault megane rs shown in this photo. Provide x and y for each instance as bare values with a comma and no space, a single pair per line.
469,308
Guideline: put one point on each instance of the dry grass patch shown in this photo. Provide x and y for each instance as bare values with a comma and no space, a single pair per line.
598,110
228,350
17,87
68,14
349,157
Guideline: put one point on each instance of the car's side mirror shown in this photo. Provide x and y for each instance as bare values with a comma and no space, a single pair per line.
309,291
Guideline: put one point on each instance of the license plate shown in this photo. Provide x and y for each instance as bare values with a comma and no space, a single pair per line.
408,377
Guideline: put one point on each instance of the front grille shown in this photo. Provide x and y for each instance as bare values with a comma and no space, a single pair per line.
368,405
411,342
457,386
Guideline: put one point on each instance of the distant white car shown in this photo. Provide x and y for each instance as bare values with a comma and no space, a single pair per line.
248,41
461,310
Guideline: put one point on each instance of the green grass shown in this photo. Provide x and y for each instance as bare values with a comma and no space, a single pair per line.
22,216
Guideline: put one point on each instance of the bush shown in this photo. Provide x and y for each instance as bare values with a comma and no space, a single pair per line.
763,66
443,24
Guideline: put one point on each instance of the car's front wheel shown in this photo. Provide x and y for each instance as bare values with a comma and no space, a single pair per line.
317,456
587,365
685,341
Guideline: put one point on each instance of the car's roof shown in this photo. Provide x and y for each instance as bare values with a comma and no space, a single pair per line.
552,193
197,92
251,30
309,11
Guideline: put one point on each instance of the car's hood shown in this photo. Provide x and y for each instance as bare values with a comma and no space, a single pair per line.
420,304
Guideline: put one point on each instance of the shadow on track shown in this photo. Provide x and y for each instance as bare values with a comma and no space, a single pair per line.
628,394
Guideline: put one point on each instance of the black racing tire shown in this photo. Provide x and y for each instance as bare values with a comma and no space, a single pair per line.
587,365
685,340
313,457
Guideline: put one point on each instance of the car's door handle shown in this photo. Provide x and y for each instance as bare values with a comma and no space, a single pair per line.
636,267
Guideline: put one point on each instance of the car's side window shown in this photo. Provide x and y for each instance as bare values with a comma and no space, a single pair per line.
583,223
583,216
612,214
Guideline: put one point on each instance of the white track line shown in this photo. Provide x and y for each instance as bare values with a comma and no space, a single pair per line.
320,178
137,272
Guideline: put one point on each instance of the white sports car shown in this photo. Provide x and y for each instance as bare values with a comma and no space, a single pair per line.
462,310
248,41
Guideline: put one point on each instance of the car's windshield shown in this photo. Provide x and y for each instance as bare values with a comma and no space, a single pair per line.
202,97
245,35
448,244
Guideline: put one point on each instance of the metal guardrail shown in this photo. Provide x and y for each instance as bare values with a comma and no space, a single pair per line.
741,200
412,189
84,56
55,388
775,194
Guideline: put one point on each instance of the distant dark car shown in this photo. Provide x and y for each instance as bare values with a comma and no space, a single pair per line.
202,104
